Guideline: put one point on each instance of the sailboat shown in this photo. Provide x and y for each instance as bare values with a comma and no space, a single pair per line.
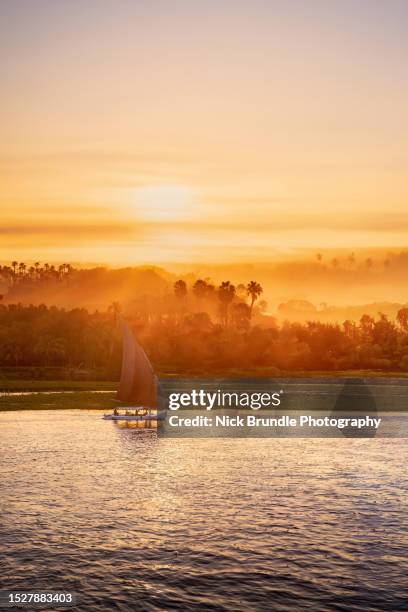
139,385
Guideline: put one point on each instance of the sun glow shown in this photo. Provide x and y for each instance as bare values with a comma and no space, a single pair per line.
220,149
165,202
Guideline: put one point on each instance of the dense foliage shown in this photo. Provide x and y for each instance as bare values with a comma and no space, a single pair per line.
200,330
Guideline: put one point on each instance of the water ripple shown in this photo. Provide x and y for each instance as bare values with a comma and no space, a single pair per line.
132,522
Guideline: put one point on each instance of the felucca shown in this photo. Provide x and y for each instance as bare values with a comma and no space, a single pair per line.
139,385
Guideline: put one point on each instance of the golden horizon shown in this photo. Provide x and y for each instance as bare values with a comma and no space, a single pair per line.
226,134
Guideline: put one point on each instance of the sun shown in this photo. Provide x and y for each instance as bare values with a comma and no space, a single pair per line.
164,202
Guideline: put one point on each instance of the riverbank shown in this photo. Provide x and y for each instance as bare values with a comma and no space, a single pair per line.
55,385
23,400
302,392
31,383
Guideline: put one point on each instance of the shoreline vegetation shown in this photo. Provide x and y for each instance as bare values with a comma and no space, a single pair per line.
224,337
190,328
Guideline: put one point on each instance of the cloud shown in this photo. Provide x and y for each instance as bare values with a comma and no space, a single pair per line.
262,222
69,233
96,157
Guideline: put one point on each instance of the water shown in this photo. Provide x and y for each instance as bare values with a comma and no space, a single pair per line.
132,522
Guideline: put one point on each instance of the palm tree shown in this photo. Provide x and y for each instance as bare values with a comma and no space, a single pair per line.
14,265
69,270
241,315
254,290
226,293
7,273
200,289
366,324
180,289
402,318
319,257
65,269
350,329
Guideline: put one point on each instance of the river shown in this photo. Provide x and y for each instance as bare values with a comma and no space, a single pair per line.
130,521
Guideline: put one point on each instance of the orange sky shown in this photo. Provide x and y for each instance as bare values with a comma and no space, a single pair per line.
189,131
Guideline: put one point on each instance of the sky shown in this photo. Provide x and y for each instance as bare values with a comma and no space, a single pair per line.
137,132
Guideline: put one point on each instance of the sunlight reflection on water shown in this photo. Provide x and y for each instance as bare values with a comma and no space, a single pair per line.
126,519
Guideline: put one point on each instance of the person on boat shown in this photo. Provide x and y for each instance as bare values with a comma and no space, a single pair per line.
115,412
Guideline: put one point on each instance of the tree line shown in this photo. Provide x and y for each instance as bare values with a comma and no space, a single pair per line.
19,272
231,300
203,330
352,262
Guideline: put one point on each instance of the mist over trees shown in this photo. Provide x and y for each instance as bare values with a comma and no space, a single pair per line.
353,281
200,330
64,317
